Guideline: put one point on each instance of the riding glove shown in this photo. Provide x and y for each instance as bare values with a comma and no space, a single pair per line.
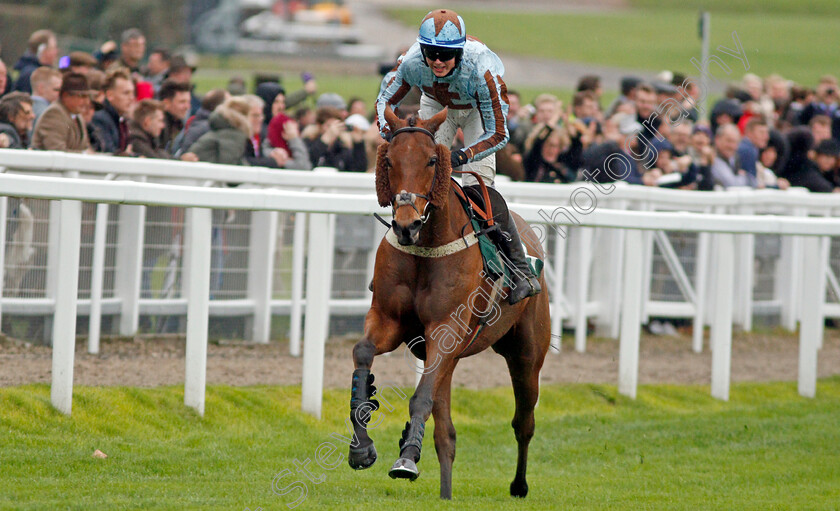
458,158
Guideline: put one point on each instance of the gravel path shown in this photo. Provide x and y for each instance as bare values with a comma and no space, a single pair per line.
160,361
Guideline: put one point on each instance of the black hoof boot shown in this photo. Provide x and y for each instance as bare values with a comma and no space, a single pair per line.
404,468
362,457
519,489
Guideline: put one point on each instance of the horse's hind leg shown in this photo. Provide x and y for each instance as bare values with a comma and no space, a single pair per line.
381,336
524,370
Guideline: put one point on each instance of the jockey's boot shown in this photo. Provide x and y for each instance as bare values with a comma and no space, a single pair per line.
523,283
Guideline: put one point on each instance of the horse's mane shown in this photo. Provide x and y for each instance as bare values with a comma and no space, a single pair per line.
412,120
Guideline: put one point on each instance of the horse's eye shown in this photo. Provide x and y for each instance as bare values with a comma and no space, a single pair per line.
433,161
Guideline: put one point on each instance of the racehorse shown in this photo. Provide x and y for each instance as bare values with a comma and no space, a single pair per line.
429,281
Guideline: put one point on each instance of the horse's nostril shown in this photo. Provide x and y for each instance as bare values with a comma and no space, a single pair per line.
415,226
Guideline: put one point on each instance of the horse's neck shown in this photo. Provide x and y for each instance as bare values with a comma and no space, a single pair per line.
444,225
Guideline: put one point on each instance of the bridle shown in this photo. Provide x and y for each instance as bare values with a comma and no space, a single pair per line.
405,198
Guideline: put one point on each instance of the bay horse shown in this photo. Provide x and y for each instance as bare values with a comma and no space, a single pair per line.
426,283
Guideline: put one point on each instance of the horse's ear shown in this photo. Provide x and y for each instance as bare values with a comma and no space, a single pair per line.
443,172
391,118
436,120
383,183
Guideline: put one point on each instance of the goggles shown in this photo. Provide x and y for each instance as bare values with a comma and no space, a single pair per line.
434,53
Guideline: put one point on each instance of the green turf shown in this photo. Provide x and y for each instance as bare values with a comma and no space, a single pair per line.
673,448
800,46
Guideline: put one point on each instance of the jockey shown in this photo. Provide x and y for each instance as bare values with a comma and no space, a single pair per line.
454,70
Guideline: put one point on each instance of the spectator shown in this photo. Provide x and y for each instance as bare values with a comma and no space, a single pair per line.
727,169
305,117
144,132
547,112
585,107
330,145
357,105
5,79
132,51
799,169
46,82
111,122
332,100
553,157
590,83
61,126
274,98
825,158
288,132
628,94
768,162
199,124
80,62
260,153
41,50
176,104
821,128
645,108
236,86
181,72
702,156
756,135
824,102
610,161
157,67
15,120
725,111
107,55
229,133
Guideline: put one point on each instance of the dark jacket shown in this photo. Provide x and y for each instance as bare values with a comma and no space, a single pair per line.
337,155
14,137
225,142
595,160
799,170
25,66
111,130
143,144
172,127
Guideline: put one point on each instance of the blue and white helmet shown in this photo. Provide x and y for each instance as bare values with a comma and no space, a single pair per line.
443,28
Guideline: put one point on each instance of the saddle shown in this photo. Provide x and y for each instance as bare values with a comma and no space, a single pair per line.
487,211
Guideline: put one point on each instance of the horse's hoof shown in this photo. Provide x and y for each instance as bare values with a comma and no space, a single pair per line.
404,468
519,489
362,457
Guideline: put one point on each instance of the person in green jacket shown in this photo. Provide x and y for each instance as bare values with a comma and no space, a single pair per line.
229,133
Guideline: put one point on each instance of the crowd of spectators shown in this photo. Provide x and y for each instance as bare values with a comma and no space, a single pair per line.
764,133
768,133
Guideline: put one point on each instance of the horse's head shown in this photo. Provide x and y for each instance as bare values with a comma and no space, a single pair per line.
412,170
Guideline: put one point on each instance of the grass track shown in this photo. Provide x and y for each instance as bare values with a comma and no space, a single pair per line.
672,448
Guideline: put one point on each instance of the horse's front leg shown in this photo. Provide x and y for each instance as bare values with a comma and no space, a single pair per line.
382,335
437,372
